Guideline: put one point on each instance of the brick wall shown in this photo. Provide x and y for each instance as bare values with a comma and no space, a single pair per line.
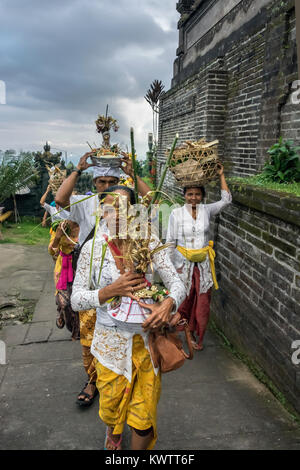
257,241
239,92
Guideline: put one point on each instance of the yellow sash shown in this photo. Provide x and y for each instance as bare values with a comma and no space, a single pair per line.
198,256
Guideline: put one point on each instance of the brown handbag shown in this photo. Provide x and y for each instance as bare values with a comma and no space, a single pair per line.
166,347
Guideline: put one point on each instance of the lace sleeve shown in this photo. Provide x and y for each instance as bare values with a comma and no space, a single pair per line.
216,207
169,276
171,236
82,297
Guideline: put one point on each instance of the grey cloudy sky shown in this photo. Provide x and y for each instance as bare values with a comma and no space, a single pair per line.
63,60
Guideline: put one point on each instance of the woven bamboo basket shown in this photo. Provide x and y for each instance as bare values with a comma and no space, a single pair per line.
56,178
195,163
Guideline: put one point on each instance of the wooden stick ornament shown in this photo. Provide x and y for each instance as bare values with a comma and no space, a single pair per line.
134,164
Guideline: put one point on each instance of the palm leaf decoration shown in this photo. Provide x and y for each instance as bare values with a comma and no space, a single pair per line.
154,93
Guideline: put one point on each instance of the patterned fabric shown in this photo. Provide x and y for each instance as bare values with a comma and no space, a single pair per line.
185,231
89,363
196,307
87,326
66,274
65,247
65,314
136,402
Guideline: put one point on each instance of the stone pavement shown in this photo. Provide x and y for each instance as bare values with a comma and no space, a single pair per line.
211,403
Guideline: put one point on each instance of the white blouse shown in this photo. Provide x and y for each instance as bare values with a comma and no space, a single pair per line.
184,230
63,214
112,345
84,214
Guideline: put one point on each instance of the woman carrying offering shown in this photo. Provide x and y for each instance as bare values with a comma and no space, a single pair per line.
128,384
61,247
193,255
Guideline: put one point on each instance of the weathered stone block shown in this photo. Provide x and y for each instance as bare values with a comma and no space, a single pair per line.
250,228
250,283
277,267
260,244
291,250
287,260
280,283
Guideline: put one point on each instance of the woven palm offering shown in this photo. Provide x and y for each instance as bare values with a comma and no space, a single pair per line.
138,257
107,154
195,163
56,178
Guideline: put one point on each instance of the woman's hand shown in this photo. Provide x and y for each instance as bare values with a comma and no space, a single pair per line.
222,178
127,164
220,170
82,164
160,314
59,233
125,286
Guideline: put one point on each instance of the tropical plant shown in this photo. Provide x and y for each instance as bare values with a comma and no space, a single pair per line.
152,97
284,163
15,174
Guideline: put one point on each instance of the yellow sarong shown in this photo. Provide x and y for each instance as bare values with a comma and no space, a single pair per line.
136,402
198,256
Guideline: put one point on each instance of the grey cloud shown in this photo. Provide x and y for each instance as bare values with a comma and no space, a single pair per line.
69,58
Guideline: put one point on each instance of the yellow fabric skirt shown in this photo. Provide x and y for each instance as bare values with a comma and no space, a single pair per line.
135,402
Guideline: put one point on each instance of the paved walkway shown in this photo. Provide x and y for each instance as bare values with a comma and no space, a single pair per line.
213,402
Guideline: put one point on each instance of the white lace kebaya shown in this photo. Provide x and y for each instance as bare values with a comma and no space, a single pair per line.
112,345
184,230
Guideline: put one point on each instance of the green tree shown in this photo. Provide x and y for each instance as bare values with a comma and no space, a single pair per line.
16,173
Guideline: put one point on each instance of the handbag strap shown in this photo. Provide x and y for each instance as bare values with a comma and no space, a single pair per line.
188,340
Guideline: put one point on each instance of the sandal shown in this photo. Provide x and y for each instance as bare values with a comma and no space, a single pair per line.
87,399
108,437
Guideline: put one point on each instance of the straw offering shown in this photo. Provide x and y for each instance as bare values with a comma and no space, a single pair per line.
195,162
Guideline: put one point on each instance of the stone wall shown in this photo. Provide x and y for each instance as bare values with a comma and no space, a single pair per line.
234,83
257,241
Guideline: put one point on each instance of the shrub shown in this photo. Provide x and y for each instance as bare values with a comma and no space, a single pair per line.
284,163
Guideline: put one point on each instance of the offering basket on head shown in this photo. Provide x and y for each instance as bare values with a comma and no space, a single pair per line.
56,178
195,163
